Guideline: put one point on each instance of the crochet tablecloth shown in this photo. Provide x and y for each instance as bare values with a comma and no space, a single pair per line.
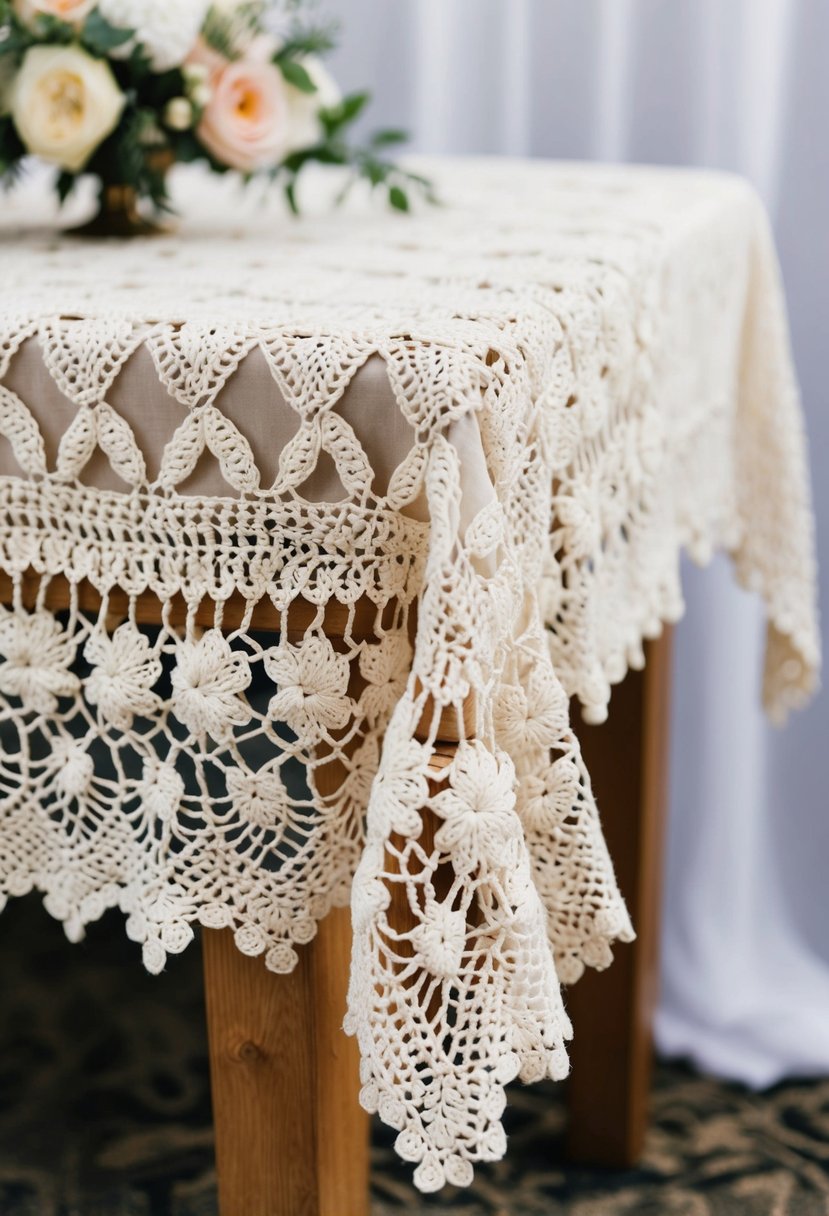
586,369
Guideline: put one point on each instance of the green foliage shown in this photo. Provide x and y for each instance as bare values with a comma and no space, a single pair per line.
96,35
16,37
64,185
137,154
140,150
368,162
11,152
336,118
296,75
230,31
99,37
16,41
398,198
318,40
384,139
290,195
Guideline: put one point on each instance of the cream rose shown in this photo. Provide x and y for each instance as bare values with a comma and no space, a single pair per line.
245,125
304,126
72,11
64,104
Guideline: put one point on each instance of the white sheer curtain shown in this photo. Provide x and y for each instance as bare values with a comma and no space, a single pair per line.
743,85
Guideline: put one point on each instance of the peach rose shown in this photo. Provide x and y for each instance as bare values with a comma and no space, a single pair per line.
245,123
72,11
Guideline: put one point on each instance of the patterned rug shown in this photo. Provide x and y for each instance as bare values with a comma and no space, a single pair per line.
104,1110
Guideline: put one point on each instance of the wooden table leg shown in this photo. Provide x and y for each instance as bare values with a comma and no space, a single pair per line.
612,1011
291,1139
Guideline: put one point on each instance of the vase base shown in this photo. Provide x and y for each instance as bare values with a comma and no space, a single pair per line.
119,216
107,224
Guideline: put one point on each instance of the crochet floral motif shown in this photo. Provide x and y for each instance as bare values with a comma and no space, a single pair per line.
312,680
125,670
74,768
207,681
487,440
384,667
260,798
38,654
440,939
478,809
531,715
401,788
162,789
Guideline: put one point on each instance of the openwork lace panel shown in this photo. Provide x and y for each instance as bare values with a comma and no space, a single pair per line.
580,371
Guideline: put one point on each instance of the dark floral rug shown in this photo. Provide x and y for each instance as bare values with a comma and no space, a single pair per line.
105,1111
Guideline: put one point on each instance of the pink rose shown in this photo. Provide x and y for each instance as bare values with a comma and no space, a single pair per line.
72,11
245,123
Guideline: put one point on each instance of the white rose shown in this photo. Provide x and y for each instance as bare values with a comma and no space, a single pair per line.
64,103
304,125
166,29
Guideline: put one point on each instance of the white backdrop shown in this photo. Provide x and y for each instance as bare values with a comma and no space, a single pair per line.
744,85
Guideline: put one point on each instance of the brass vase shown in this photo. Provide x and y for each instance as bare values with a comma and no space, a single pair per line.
119,215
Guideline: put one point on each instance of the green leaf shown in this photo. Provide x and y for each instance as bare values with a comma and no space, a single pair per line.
47,28
17,39
65,185
296,160
187,147
329,154
296,75
375,171
140,66
353,105
398,198
334,118
101,37
12,150
290,196
382,139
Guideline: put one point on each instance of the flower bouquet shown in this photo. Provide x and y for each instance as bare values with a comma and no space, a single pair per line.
124,89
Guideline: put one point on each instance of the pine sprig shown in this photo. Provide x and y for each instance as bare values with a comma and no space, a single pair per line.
319,40
230,31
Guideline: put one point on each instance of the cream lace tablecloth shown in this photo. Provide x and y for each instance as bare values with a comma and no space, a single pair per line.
569,373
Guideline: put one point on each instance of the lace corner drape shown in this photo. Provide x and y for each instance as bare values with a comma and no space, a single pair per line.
584,371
